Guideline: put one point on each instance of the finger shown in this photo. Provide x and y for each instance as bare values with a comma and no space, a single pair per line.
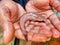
30,8
8,31
21,11
18,32
37,23
36,37
13,9
27,23
7,26
29,28
37,30
24,18
55,32
55,21
45,30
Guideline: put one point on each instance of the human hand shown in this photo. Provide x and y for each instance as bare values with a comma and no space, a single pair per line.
37,6
10,13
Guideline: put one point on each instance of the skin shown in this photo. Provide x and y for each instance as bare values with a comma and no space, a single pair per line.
11,17
34,17
23,19
21,11
43,6
8,15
